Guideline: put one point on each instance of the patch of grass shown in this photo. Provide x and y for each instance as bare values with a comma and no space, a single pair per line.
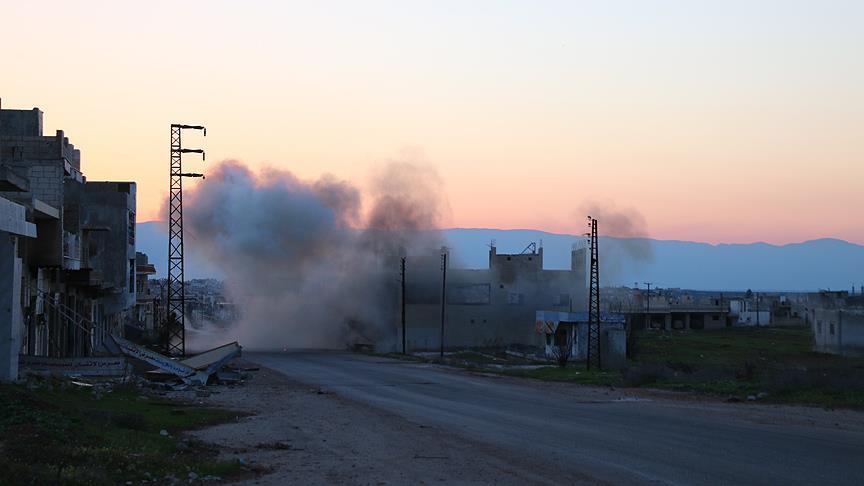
573,374
60,435
778,365
747,361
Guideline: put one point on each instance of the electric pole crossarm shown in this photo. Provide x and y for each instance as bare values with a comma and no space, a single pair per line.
190,127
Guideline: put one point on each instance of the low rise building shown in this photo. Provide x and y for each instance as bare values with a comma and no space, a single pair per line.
567,333
837,322
145,298
77,274
489,307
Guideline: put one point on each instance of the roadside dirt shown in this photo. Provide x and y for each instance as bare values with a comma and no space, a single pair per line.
299,435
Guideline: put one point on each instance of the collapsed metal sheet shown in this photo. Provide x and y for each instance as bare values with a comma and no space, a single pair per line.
186,373
212,360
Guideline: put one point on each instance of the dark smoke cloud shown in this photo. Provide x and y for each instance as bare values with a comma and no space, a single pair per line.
296,260
629,247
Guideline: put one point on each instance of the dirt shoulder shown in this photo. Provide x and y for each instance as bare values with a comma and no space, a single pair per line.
307,436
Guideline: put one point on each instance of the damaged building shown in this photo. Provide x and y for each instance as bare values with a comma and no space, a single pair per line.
837,322
489,307
68,245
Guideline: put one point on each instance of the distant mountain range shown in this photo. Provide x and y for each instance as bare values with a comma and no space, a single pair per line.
810,265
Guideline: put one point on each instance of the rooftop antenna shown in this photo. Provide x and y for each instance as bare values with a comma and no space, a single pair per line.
175,322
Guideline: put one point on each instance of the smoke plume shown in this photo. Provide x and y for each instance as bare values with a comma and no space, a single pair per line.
629,246
303,264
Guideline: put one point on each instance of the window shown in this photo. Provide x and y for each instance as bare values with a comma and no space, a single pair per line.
515,298
715,317
819,326
131,228
131,275
831,328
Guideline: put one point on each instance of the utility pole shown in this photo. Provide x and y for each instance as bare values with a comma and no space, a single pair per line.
402,273
593,355
175,332
648,306
443,295
757,309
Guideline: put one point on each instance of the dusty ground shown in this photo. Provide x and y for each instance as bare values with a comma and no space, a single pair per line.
300,435
305,435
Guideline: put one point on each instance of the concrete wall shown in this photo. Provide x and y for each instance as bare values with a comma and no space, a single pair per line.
23,123
488,307
613,343
10,306
109,209
838,331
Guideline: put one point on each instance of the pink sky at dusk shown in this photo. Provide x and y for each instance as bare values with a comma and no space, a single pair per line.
717,121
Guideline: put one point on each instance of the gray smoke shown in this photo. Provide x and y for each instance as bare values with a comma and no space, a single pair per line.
628,247
304,267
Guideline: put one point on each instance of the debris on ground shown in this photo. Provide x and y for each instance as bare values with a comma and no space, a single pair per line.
128,362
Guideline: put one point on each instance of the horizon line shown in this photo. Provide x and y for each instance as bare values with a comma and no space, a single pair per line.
652,238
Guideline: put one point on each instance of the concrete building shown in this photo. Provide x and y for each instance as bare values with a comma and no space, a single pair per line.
667,309
571,328
76,280
145,298
749,312
837,322
13,227
489,307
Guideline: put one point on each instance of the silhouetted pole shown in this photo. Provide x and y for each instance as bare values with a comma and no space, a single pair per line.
443,297
593,354
175,335
648,306
757,309
404,346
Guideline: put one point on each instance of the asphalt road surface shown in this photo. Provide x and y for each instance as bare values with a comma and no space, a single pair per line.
597,435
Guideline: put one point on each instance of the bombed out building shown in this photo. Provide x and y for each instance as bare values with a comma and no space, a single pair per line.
489,307
68,246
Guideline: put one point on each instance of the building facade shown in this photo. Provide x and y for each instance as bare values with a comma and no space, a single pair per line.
488,307
77,271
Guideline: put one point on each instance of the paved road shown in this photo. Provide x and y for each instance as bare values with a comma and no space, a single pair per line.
595,436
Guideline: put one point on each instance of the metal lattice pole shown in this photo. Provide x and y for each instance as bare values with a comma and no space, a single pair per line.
443,296
593,355
404,337
175,325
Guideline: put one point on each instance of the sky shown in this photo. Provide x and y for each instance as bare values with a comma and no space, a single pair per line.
732,121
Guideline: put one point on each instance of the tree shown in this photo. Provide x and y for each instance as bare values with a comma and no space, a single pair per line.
562,345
